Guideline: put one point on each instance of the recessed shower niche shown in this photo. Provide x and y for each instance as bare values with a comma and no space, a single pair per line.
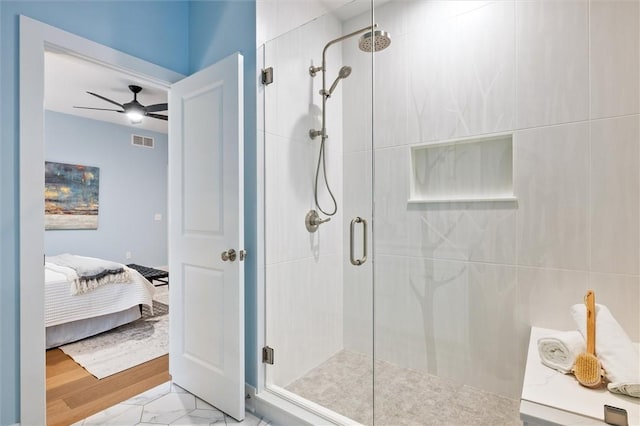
463,170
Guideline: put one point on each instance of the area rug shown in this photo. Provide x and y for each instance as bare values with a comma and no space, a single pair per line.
125,346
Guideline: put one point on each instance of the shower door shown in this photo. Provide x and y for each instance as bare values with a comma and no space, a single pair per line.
318,213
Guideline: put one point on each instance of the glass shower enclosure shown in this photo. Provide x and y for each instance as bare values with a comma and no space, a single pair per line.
406,254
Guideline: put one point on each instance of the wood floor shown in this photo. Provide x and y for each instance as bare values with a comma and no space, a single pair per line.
74,394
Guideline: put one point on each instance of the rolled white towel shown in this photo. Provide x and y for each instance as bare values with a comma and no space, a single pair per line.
615,350
631,389
560,349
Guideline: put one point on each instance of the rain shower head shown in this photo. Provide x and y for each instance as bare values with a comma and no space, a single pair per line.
374,40
371,39
344,72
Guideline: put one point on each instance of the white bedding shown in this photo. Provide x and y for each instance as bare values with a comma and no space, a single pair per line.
62,307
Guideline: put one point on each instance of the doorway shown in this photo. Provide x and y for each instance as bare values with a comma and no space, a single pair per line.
35,38
131,229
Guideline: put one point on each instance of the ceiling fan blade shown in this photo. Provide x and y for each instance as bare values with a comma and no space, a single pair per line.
156,107
159,116
106,99
99,109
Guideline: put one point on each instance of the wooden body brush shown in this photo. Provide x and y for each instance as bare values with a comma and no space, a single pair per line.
587,368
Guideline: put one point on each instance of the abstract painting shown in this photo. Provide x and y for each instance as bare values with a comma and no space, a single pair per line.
70,196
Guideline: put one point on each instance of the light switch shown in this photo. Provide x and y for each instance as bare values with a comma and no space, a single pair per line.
157,216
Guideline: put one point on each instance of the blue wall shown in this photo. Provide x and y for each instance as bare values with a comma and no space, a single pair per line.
175,34
218,29
133,188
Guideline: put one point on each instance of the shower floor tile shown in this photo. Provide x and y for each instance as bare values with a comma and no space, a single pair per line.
344,384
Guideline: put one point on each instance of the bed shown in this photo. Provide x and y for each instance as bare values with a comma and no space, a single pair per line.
70,317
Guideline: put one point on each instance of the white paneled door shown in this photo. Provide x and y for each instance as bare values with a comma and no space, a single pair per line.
206,238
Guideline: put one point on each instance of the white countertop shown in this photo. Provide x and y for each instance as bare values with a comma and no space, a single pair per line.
549,396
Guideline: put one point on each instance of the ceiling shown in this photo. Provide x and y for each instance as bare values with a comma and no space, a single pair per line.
68,78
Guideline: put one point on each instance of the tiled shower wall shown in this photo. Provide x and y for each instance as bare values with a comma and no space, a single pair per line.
458,285
304,302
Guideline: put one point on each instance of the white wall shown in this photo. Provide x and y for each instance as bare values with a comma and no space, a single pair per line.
457,285
303,270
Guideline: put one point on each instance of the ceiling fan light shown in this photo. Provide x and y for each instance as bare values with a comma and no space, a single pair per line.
134,110
135,117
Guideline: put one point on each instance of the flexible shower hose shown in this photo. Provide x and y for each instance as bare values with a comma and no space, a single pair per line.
324,172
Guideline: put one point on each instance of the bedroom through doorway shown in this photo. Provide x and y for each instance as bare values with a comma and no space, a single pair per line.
131,229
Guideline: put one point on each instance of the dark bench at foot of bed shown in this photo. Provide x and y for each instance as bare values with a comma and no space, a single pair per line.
152,274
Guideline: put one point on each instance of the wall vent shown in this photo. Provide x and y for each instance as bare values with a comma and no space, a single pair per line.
144,141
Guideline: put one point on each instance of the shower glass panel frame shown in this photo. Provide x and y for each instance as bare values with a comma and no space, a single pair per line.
318,303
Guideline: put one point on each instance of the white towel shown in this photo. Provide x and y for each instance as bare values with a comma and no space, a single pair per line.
559,350
615,350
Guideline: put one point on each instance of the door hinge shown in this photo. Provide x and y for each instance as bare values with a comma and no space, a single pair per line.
267,76
267,355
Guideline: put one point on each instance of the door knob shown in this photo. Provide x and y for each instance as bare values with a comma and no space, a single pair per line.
229,255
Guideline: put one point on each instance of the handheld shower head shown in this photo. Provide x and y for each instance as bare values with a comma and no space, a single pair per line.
344,72
374,40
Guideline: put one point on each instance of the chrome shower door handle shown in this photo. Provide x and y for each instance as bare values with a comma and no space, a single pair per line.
360,261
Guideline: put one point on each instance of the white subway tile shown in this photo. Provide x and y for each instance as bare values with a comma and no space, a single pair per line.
552,82
620,294
461,75
615,57
545,297
552,170
492,318
615,195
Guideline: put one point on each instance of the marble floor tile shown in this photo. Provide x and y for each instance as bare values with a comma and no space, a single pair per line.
168,408
150,395
117,415
166,404
201,417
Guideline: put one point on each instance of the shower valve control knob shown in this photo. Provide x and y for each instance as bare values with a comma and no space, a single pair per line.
312,221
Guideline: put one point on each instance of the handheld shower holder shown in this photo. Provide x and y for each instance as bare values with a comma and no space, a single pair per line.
314,70
315,133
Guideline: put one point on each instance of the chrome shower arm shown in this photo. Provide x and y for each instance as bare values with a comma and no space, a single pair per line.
344,37
314,70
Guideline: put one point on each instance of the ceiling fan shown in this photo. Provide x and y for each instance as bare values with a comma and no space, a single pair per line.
134,109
